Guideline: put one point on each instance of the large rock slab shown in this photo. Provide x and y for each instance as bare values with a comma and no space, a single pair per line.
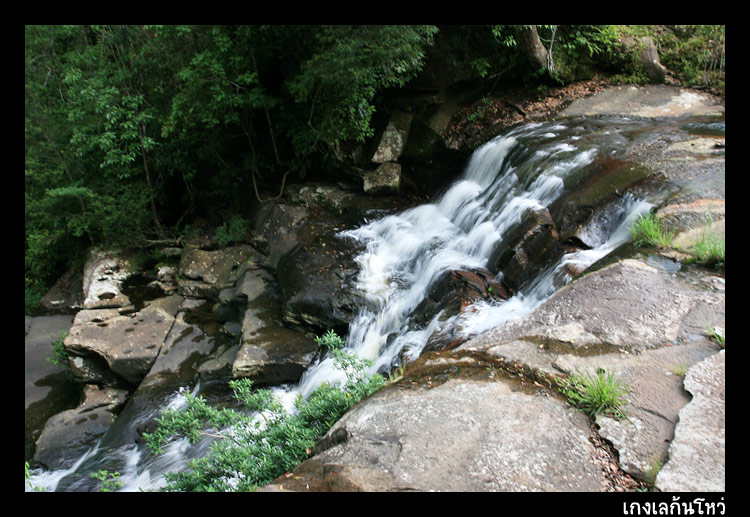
184,347
459,436
128,343
393,140
274,355
645,101
274,232
697,455
627,306
385,179
631,319
270,353
41,332
66,295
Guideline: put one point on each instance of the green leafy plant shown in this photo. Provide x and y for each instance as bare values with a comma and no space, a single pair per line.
679,369
647,231
598,394
256,445
109,481
28,480
231,232
60,355
330,340
653,470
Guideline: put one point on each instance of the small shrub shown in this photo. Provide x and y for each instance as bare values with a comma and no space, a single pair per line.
680,369
60,355
653,469
330,340
710,249
647,231
257,445
229,233
109,481
594,395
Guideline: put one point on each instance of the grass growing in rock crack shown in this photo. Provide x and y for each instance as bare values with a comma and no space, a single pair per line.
717,334
596,394
647,231
710,250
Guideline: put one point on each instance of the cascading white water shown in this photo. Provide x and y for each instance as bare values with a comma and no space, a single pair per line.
406,252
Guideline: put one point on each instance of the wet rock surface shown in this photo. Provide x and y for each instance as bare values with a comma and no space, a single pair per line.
74,431
458,436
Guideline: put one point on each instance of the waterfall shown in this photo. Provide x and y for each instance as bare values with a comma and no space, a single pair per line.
405,253
408,251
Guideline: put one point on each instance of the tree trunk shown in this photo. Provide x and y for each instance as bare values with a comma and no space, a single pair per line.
151,192
533,48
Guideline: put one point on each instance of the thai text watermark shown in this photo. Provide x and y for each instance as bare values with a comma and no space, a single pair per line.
696,506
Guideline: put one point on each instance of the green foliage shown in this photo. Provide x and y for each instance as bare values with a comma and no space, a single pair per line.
255,446
573,48
28,481
330,340
351,64
647,231
109,481
594,395
131,130
126,125
717,334
231,232
695,53
60,354
710,250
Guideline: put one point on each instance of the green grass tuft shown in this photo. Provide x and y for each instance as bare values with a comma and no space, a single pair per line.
595,395
647,231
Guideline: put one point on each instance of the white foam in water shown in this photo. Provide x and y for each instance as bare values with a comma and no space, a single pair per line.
487,315
47,480
406,252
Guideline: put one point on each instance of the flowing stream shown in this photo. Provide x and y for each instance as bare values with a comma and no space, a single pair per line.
404,253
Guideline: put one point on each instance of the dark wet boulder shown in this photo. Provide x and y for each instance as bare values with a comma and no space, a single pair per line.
385,179
254,284
274,355
453,291
67,435
526,248
317,291
274,232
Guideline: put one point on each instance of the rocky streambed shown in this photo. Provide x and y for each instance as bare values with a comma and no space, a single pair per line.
471,414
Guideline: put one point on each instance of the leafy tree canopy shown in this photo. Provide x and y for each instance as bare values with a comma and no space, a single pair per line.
132,130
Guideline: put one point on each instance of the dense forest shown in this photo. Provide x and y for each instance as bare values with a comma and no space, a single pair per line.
132,132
